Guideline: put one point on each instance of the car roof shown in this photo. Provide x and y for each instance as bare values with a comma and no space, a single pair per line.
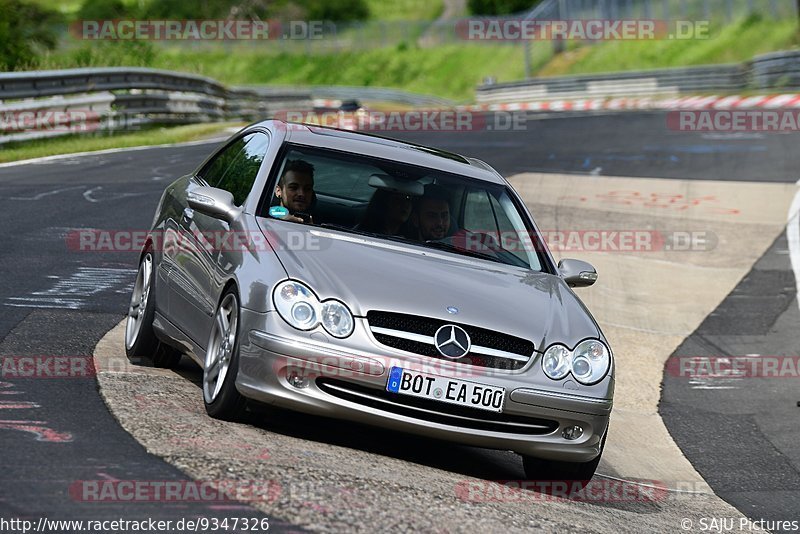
385,148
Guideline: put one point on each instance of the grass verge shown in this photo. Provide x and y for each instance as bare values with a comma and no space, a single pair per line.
451,71
102,141
404,9
735,43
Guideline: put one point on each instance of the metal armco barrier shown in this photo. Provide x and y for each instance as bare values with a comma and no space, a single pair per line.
121,97
50,100
775,71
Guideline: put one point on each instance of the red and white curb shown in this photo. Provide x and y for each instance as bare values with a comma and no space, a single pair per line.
688,102
640,103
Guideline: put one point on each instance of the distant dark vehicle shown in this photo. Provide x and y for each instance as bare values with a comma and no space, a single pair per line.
350,105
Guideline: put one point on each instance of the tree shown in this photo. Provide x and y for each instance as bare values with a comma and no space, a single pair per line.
25,29
339,11
502,7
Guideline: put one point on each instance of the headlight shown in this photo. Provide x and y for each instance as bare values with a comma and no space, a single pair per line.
300,307
296,304
556,362
590,362
336,318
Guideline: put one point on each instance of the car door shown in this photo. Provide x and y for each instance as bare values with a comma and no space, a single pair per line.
204,258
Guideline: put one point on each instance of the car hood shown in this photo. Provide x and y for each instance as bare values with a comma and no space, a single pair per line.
372,274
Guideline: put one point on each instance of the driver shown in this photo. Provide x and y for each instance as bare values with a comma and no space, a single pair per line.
431,214
295,190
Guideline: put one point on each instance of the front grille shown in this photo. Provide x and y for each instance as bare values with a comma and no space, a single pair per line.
434,411
517,351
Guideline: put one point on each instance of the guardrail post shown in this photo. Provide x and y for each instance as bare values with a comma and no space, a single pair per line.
527,52
773,5
558,44
729,11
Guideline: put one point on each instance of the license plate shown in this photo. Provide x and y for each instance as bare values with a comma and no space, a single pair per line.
450,390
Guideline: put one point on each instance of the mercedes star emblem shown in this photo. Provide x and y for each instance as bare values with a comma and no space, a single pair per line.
452,341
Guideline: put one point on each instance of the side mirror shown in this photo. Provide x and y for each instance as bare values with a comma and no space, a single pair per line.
577,273
213,202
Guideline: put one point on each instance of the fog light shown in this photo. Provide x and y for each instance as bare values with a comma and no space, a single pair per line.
572,432
296,380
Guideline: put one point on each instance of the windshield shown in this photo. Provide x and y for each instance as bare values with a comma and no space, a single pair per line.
397,201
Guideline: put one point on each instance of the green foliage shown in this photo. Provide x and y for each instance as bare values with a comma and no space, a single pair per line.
104,54
405,9
451,71
340,10
70,144
733,43
103,10
25,30
181,9
500,7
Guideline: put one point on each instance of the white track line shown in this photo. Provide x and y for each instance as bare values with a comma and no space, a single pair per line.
793,238
46,159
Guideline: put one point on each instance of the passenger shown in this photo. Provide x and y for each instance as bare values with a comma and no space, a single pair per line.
387,213
431,214
295,190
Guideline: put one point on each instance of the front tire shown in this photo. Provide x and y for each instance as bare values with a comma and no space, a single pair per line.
221,365
140,339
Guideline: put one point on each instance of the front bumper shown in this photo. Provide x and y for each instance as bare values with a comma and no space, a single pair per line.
346,379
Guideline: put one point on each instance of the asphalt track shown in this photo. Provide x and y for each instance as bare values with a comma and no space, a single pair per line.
56,301
740,432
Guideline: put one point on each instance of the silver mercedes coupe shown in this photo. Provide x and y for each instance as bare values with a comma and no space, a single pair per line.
367,279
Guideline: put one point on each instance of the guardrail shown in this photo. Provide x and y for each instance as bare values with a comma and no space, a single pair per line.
362,94
61,102
775,71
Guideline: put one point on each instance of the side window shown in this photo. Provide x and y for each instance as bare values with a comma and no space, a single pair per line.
235,169
478,214
502,218
483,213
215,169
